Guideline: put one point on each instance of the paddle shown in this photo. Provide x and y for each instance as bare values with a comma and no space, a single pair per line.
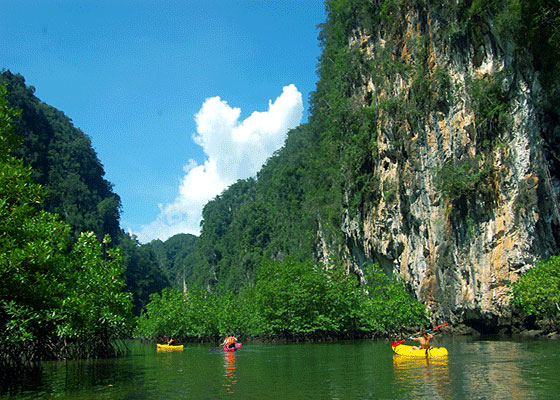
398,342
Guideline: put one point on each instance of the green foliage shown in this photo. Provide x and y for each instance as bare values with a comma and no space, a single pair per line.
8,138
480,8
537,292
30,242
232,231
56,299
461,180
177,314
143,275
295,298
269,217
535,27
391,304
176,258
491,105
538,29
95,309
290,298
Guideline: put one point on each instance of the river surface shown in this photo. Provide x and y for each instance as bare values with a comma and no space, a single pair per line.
476,368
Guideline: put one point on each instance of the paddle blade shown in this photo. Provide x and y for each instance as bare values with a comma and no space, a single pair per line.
439,326
398,342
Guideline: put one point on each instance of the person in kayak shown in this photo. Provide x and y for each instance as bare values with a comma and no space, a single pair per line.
229,342
424,340
169,342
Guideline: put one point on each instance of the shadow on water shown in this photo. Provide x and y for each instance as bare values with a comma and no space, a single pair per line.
13,380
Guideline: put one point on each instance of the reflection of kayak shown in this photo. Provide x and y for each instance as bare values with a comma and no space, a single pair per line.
408,351
166,347
415,369
237,345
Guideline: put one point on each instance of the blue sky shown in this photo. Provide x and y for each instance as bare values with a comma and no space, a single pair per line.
180,98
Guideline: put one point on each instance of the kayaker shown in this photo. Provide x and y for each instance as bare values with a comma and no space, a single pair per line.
424,340
229,342
169,341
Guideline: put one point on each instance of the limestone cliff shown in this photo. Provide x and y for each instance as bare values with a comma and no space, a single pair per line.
464,159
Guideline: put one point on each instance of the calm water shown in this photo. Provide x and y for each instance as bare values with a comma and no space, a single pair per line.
482,368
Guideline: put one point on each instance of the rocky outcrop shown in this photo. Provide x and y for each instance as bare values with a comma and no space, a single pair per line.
457,250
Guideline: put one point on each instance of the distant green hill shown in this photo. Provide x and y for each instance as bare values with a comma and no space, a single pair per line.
64,162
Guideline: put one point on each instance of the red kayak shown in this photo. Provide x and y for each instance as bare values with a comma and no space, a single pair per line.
237,345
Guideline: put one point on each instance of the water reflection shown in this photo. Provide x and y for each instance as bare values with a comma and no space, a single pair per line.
499,368
475,369
422,377
229,371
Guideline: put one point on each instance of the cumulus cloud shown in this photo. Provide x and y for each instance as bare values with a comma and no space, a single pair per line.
235,150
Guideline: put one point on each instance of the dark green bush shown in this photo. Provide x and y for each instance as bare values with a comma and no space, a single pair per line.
460,179
537,292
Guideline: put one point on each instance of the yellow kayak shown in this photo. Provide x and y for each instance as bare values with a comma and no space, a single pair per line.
166,347
409,351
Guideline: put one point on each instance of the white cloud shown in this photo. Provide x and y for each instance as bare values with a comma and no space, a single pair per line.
235,150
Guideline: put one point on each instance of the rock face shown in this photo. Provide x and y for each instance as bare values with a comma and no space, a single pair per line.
469,187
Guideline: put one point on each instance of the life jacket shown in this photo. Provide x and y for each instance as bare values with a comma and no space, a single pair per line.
229,341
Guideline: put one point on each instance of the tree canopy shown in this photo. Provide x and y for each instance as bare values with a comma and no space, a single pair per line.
60,296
